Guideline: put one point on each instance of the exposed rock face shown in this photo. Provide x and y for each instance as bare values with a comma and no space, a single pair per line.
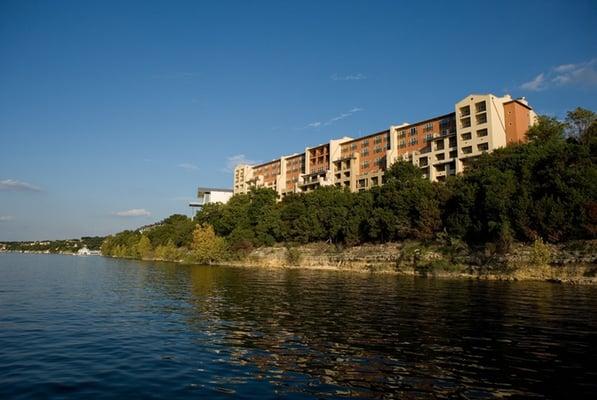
523,262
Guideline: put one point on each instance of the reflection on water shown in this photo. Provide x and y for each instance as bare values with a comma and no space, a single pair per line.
101,327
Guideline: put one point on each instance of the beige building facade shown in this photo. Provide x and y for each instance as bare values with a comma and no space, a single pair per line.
440,146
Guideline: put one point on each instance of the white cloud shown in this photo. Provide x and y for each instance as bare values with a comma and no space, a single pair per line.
188,166
4,218
350,77
17,186
536,84
581,74
235,160
564,68
134,212
334,119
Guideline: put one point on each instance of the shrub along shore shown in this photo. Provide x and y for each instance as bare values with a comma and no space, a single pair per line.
539,196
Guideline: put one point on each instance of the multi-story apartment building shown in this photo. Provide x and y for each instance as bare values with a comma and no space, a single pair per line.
440,146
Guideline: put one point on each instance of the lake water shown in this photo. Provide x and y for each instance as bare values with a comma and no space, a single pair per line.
92,327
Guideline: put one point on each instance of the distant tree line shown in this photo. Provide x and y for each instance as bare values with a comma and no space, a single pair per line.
545,189
55,246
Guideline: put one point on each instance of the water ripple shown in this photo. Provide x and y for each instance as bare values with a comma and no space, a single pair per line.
102,328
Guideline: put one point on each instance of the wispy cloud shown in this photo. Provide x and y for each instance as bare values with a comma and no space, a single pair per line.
134,212
235,160
581,74
536,84
337,118
349,77
4,218
188,166
18,186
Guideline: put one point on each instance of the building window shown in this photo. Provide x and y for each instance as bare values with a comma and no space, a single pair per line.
414,140
452,142
466,136
481,118
483,146
428,127
365,152
465,122
413,131
441,157
467,150
423,161
454,154
482,133
480,106
428,137
402,143
402,133
465,111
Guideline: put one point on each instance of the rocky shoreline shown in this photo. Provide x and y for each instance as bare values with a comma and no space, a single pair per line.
523,262
573,263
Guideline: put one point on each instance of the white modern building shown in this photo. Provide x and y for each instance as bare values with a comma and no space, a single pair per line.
211,195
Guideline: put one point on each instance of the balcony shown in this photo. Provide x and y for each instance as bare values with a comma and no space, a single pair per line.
481,118
480,107
482,133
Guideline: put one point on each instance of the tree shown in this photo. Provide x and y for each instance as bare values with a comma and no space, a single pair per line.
107,246
403,171
167,252
412,201
578,122
546,128
207,247
177,228
144,249
294,221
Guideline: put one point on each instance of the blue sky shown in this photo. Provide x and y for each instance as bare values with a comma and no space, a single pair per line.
112,113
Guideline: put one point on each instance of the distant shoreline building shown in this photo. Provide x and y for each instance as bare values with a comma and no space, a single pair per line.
211,195
441,146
